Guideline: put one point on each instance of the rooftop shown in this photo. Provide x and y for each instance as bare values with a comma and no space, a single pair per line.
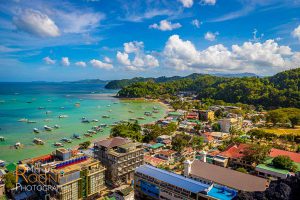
157,145
272,169
235,151
277,152
166,152
153,160
228,177
112,142
172,178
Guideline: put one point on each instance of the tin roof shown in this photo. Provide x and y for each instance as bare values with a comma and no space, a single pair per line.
173,179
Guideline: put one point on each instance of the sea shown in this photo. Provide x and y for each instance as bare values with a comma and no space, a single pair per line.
25,106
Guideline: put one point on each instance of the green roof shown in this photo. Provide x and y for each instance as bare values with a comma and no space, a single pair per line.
156,146
194,120
272,169
11,167
175,113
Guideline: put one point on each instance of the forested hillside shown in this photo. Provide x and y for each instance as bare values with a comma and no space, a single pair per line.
280,90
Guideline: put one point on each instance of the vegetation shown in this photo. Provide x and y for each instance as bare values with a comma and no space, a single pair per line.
127,130
84,145
256,153
151,132
180,141
241,169
10,180
283,116
280,90
284,162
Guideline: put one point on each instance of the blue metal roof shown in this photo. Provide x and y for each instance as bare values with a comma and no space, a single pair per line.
172,178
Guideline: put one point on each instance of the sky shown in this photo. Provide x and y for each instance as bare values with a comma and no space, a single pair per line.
62,40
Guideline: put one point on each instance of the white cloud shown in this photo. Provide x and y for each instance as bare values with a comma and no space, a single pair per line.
49,61
208,2
107,59
36,23
196,23
187,3
80,64
141,61
165,25
296,33
77,21
211,36
257,57
65,61
123,58
100,64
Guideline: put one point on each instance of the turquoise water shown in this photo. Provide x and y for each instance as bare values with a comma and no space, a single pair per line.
22,100
218,194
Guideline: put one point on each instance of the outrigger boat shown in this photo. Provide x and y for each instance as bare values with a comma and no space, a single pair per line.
38,141
95,120
56,126
66,140
47,128
18,145
36,130
31,122
88,135
23,120
105,116
148,113
41,108
2,138
58,144
142,118
91,131
76,136
63,116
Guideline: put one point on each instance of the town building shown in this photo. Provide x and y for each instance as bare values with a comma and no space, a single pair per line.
152,183
267,170
151,160
212,174
227,123
235,154
75,176
167,154
123,192
121,157
207,115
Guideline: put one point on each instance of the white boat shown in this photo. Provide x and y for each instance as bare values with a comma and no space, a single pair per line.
47,128
88,134
63,116
31,122
2,138
95,120
41,108
105,116
2,163
18,145
23,120
38,141
36,130
108,105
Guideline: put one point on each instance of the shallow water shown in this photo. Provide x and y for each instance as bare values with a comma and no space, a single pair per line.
22,100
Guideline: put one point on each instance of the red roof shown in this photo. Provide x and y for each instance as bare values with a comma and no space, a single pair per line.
277,152
235,151
166,152
153,160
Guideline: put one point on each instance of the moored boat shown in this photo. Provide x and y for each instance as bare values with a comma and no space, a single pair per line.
38,141
58,144
47,128
23,120
105,116
2,138
36,130
76,136
66,140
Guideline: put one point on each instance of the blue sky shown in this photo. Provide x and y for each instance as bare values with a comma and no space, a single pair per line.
82,39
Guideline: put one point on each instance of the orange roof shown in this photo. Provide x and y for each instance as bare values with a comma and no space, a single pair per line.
277,152
166,152
235,151
153,160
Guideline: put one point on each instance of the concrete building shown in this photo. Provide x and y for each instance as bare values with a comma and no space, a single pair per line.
167,154
75,176
227,123
206,115
121,157
213,174
151,183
